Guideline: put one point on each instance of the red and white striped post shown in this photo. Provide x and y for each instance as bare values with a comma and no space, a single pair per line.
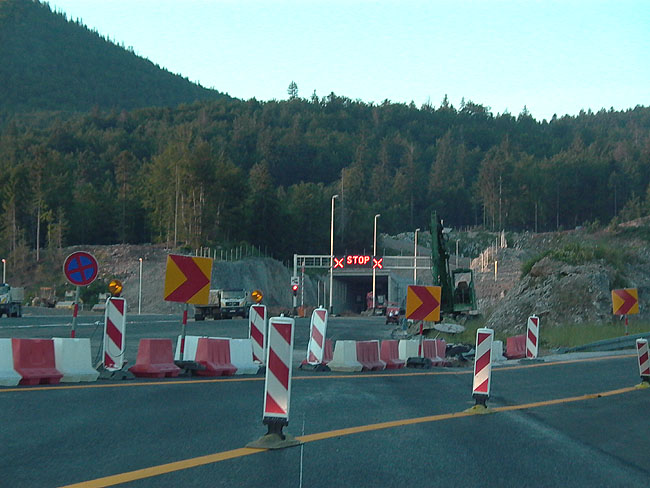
532,337
644,361
257,331
114,333
482,366
277,387
318,328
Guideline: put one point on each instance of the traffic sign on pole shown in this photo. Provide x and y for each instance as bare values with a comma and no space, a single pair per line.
625,301
423,303
80,268
187,279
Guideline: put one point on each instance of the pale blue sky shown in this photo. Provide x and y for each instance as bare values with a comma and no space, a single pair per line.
552,56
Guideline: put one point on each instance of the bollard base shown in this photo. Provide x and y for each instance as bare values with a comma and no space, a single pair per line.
274,438
421,363
120,374
479,409
320,367
645,383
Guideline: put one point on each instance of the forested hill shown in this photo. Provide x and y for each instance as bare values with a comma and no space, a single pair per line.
50,63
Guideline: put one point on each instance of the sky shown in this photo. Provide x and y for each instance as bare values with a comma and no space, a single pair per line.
553,57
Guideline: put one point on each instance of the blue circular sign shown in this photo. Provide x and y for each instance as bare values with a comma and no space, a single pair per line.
80,268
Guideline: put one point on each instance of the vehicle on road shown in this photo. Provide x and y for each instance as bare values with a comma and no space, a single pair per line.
225,304
11,299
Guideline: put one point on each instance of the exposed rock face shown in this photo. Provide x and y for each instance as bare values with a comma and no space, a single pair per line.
559,293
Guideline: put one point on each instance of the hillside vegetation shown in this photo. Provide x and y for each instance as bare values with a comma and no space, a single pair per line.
50,63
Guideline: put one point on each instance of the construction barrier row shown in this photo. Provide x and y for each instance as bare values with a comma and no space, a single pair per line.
351,356
239,353
45,361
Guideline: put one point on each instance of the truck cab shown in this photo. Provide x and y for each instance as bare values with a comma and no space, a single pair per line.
11,299
235,302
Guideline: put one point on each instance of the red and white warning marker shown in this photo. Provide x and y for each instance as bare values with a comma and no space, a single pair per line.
277,387
482,366
257,332
114,333
532,337
318,329
644,360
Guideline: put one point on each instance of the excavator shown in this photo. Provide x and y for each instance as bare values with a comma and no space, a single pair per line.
458,296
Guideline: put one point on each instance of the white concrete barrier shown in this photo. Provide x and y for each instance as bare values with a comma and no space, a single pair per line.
189,351
8,375
72,358
408,348
241,356
497,351
345,357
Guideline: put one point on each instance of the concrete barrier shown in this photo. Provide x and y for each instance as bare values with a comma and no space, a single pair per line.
8,375
34,361
345,357
214,354
241,356
155,359
497,351
73,359
408,348
368,356
389,354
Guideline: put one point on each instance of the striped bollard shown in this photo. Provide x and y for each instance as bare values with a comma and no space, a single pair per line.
532,337
257,332
114,333
277,387
644,362
482,367
318,331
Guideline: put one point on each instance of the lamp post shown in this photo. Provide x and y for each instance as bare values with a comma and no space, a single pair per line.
4,270
374,254
334,197
140,289
415,258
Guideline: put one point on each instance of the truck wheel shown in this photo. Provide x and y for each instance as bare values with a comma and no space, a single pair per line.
198,317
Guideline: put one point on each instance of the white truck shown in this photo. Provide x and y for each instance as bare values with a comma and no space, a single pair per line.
224,304
11,300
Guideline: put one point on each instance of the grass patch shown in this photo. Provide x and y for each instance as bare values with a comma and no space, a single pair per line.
580,334
578,254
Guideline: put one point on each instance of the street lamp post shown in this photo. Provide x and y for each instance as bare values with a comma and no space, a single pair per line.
332,254
374,254
4,270
415,258
140,289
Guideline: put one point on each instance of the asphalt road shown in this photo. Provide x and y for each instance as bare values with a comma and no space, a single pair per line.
572,423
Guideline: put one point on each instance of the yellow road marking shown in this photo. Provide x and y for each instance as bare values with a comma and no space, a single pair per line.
237,453
298,378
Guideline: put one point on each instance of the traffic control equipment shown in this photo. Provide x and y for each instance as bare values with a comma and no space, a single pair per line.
436,351
8,375
368,356
241,356
317,334
516,347
257,331
277,386
214,354
389,354
482,367
155,359
532,337
114,333
73,359
34,361
644,362
345,357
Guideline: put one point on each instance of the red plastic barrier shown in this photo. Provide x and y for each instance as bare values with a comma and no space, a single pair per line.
389,354
436,350
368,356
34,361
328,352
155,359
516,347
214,354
